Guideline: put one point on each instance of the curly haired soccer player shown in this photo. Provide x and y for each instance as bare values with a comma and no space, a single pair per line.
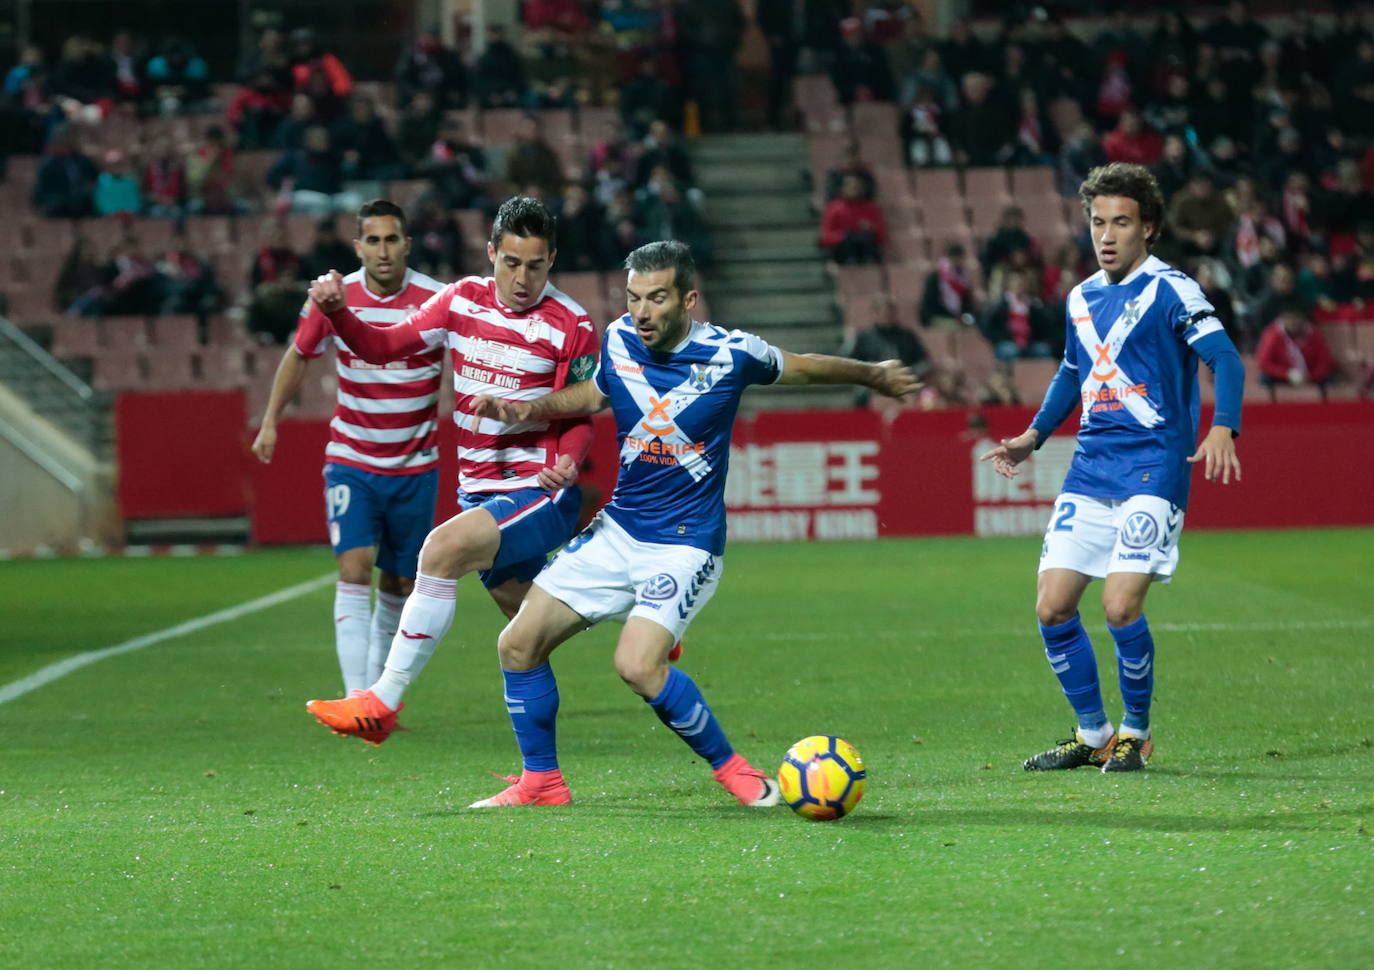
512,333
1136,330
653,557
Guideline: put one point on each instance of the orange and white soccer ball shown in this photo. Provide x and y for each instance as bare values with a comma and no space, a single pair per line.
822,778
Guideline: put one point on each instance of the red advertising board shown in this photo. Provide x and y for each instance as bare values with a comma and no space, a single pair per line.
812,475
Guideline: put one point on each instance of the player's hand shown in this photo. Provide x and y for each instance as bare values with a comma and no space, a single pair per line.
560,474
265,443
488,406
895,379
1218,454
328,292
1011,452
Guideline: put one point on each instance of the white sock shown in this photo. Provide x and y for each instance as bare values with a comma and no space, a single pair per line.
1096,737
425,619
386,620
352,617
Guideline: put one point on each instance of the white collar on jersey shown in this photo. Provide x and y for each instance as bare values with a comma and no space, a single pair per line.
1151,264
362,278
496,298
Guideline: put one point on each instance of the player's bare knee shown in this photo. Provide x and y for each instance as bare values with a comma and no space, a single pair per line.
355,566
1121,610
643,675
518,647
1053,612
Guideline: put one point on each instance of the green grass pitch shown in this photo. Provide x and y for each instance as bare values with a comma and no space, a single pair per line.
176,807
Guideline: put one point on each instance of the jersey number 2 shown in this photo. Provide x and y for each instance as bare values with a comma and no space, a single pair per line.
1065,513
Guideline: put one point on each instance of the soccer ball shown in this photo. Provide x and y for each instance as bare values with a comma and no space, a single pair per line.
822,778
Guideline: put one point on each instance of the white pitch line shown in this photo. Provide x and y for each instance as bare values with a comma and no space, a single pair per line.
53,671
929,633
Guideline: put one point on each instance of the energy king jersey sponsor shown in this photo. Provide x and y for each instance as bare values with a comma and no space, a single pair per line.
510,355
1130,343
386,418
674,414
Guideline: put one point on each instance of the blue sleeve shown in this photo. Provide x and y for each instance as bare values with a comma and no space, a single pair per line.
1063,396
1219,354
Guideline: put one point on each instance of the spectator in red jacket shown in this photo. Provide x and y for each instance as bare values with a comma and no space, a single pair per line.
852,226
310,63
1131,141
1292,352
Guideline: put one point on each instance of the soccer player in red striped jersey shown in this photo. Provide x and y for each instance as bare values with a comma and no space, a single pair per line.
515,336
381,464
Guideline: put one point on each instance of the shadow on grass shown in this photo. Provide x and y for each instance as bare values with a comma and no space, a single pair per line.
1129,819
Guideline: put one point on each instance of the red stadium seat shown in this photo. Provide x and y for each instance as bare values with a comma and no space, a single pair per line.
937,183
974,355
1032,378
75,337
181,331
943,215
172,368
592,122
125,332
1035,182
499,125
987,183
587,289
119,369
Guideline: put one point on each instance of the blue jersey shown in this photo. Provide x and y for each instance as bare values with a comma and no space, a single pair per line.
1131,347
674,413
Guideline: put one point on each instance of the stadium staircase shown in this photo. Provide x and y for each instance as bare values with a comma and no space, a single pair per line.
57,449
768,276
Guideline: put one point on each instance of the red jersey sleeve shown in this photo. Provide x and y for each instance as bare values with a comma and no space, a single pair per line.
313,331
423,330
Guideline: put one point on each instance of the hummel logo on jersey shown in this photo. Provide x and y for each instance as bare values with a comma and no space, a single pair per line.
415,636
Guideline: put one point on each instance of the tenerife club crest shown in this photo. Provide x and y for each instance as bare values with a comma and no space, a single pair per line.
703,376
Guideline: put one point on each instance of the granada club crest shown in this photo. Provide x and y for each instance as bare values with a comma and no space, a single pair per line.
532,327
702,377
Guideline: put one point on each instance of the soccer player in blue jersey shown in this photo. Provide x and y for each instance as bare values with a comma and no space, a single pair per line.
653,556
1136,330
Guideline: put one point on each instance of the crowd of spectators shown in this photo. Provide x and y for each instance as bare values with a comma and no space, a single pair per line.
333,143
1260,131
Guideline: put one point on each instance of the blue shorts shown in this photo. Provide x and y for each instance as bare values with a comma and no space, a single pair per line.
392,512
533,523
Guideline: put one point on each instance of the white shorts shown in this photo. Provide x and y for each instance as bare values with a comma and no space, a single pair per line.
604,573
1097,536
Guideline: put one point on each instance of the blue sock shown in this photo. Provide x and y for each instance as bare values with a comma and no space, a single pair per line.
1070,654
680,706
1135,666
532,702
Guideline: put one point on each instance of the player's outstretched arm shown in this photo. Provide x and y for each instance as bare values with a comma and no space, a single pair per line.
374,344
1011,452
1217,450
574,401
890,378
285,385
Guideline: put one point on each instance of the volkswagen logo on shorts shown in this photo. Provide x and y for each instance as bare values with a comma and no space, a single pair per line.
1140,531
660,587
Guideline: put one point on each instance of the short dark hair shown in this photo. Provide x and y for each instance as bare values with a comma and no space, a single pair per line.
668,254
381,207
1131,182
521,215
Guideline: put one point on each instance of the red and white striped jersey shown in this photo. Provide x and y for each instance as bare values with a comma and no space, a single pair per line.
386,419
515,356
